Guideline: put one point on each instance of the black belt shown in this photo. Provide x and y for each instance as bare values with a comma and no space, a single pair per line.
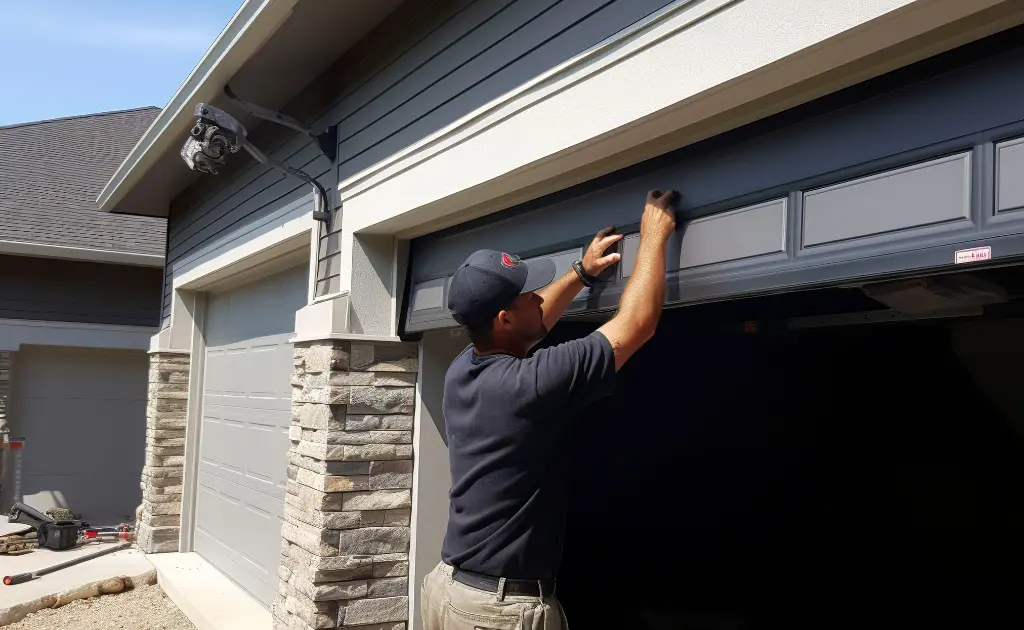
528,588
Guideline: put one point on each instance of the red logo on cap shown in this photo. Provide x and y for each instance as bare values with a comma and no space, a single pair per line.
509,260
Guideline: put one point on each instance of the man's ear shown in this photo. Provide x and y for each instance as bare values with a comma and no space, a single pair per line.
504,319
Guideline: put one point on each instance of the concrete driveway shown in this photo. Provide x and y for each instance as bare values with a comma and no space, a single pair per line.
75,582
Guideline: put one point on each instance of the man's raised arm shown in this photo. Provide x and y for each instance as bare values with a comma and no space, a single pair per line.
641,302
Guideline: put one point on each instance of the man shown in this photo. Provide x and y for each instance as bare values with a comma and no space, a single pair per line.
507,412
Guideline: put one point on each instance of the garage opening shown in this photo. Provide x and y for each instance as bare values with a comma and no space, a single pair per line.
808,460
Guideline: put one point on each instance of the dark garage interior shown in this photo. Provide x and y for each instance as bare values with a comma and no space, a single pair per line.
750,473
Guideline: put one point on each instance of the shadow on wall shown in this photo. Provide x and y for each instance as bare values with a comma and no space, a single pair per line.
840,478
45,500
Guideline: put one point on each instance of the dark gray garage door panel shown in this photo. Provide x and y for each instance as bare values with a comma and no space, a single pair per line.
429,295
938,191
244,436
746,233
1010,173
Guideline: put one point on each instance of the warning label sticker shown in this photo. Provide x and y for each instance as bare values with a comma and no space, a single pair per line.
975,254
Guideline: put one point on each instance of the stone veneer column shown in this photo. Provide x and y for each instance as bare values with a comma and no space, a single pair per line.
345,547
160,523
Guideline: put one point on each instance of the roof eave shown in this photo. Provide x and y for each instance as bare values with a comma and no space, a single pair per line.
253,23
87,254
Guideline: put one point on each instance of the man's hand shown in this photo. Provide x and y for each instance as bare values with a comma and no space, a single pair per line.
557,296
594,260
659,219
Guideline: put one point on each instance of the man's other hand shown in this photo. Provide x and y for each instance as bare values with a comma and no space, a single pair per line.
659,219
595,261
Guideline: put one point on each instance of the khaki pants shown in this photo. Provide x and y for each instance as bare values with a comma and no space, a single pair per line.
449,605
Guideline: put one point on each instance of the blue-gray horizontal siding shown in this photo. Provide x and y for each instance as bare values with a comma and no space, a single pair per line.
247,199
486,50
439,65
47,289
241,234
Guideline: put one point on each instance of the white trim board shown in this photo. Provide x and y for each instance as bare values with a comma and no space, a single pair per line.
431,473
690,46
15,333
247,247
417,421
193,433
599,111
514,101
358,337
66,252
246,252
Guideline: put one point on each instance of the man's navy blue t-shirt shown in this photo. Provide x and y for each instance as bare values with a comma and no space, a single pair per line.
507,420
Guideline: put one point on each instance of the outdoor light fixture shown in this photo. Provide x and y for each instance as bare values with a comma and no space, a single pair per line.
216,134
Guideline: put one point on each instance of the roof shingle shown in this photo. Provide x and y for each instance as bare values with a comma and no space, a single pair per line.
51,172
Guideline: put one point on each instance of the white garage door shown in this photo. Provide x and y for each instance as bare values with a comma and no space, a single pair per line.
82,413
244,436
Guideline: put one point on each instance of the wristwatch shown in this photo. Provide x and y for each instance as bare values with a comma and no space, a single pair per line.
587,279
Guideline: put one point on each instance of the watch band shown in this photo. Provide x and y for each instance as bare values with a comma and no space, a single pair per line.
587,279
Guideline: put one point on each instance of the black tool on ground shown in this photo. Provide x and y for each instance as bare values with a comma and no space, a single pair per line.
59,535
26,515
52,534
20,578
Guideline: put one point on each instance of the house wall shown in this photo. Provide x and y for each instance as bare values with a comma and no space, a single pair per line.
48,289
63,324
347,542
439,61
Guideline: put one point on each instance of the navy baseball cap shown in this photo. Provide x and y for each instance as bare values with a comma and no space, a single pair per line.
489,281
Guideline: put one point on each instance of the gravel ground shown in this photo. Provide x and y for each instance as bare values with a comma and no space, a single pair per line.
143,608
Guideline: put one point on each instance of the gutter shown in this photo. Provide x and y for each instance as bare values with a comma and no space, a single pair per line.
253,23
40,250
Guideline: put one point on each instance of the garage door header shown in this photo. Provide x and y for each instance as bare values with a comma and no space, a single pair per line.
886,177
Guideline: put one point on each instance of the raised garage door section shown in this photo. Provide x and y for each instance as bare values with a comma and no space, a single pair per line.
906,174
79,410
244,435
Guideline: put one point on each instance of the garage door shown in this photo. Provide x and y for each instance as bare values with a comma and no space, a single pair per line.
244,436
80,411
912,172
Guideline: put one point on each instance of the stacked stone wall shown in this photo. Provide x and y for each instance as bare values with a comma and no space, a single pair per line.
345,547
160,520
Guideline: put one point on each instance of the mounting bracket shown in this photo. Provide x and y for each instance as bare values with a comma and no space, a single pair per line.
326,140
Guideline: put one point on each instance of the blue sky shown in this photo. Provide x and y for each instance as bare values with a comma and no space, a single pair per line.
69,57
